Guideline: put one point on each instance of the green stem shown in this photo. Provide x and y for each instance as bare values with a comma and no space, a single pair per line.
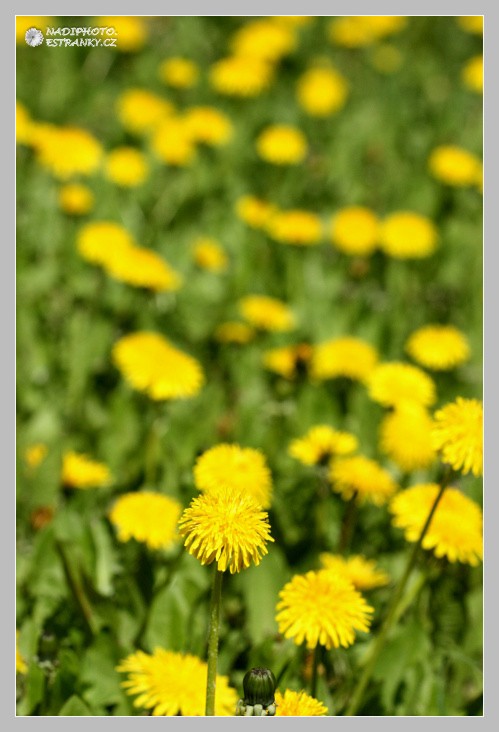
152,448
392,613
211,682
348,524
315,671
76,587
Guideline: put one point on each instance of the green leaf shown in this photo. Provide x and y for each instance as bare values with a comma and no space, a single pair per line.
75,707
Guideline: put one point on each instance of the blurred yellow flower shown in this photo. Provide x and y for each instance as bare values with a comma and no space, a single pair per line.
471,23
25,22
80,471
362,572
208,254
321,91
23,124
142,267
355,31
173,684
298,704
181,73
76,199
241,76
407,235
455,530
130,30
140,111
172,142
438,347
100,242
254,211
405,437
297,227
208,125
455,166
361,478
148,517
322,608
267,313
288,361
472,74
227,527
458,435
293,20
243,469
35,454
263,39
386,58
354,231
67,151
21,665
151,364
282,145
126,166
321,443
393,382
234,332
345,356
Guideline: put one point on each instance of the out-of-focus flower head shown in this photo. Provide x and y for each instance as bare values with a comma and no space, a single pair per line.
407,235
288,361
142,267
395,382
148,517
67,151
76,199
178,72
361,478
210,255
23,124
405,437
241,76
321,91
355,231
126,166
455,166
282,145
254,211
438,347
208,125
172,142
21,665
356,31
99,242
471,23
321,443
140,111
362,573
130,31
345,356
80,471
472,74
263,39
267,313
35,454
296,227
458,435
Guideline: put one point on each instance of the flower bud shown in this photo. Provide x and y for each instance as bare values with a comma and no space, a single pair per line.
259,686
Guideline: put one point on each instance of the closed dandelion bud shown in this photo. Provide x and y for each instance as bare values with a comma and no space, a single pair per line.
259,687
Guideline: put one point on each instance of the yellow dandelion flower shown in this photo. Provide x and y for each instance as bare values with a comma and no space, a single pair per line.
345,356
356,31
23,124
140,111
266,313
458,435
147,517
282,145
142,267
455,166
208,254
321,91
99,242
393,382
438,347
25,22
298,704
181,73
76,199
151,364
354,231
243,469
455,530
386,58
405,437
263,39
293,20
130,31
471,23
300,228
407,235
288,361
21,665
362,478
227,527
362,572
35,454
173,143
254,211
321,443
233,332
208,125
241,76
322,608
472,74
80,471
172,684
67,151
126,166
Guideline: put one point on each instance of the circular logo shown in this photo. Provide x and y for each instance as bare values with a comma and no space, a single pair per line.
33,37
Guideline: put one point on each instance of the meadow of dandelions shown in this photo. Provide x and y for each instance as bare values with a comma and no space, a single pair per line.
249,366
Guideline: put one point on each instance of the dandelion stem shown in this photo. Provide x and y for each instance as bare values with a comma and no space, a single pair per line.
216,595
391,613
348,524
315,670
76,587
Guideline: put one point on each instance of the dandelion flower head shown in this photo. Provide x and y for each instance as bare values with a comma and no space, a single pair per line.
263,39
67,151
362,478
208,125
298,227
35,454
267,313
298,704
170,683
241,76
438,347
471,23
209,255
354,231
126,166
472,74
76,199
407,235
455,530
147,517
357,31
458,435
393,382
243,469
130,31
455,166
405,437
178,72
321,91
282,145
142,267
100,242
254,211
80,471
234,332
345,356
321,443
172,142
23,124
141,111
288,361
322,608
227,527
362,573
151,364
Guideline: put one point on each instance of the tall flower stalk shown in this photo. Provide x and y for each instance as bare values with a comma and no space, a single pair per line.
216,598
